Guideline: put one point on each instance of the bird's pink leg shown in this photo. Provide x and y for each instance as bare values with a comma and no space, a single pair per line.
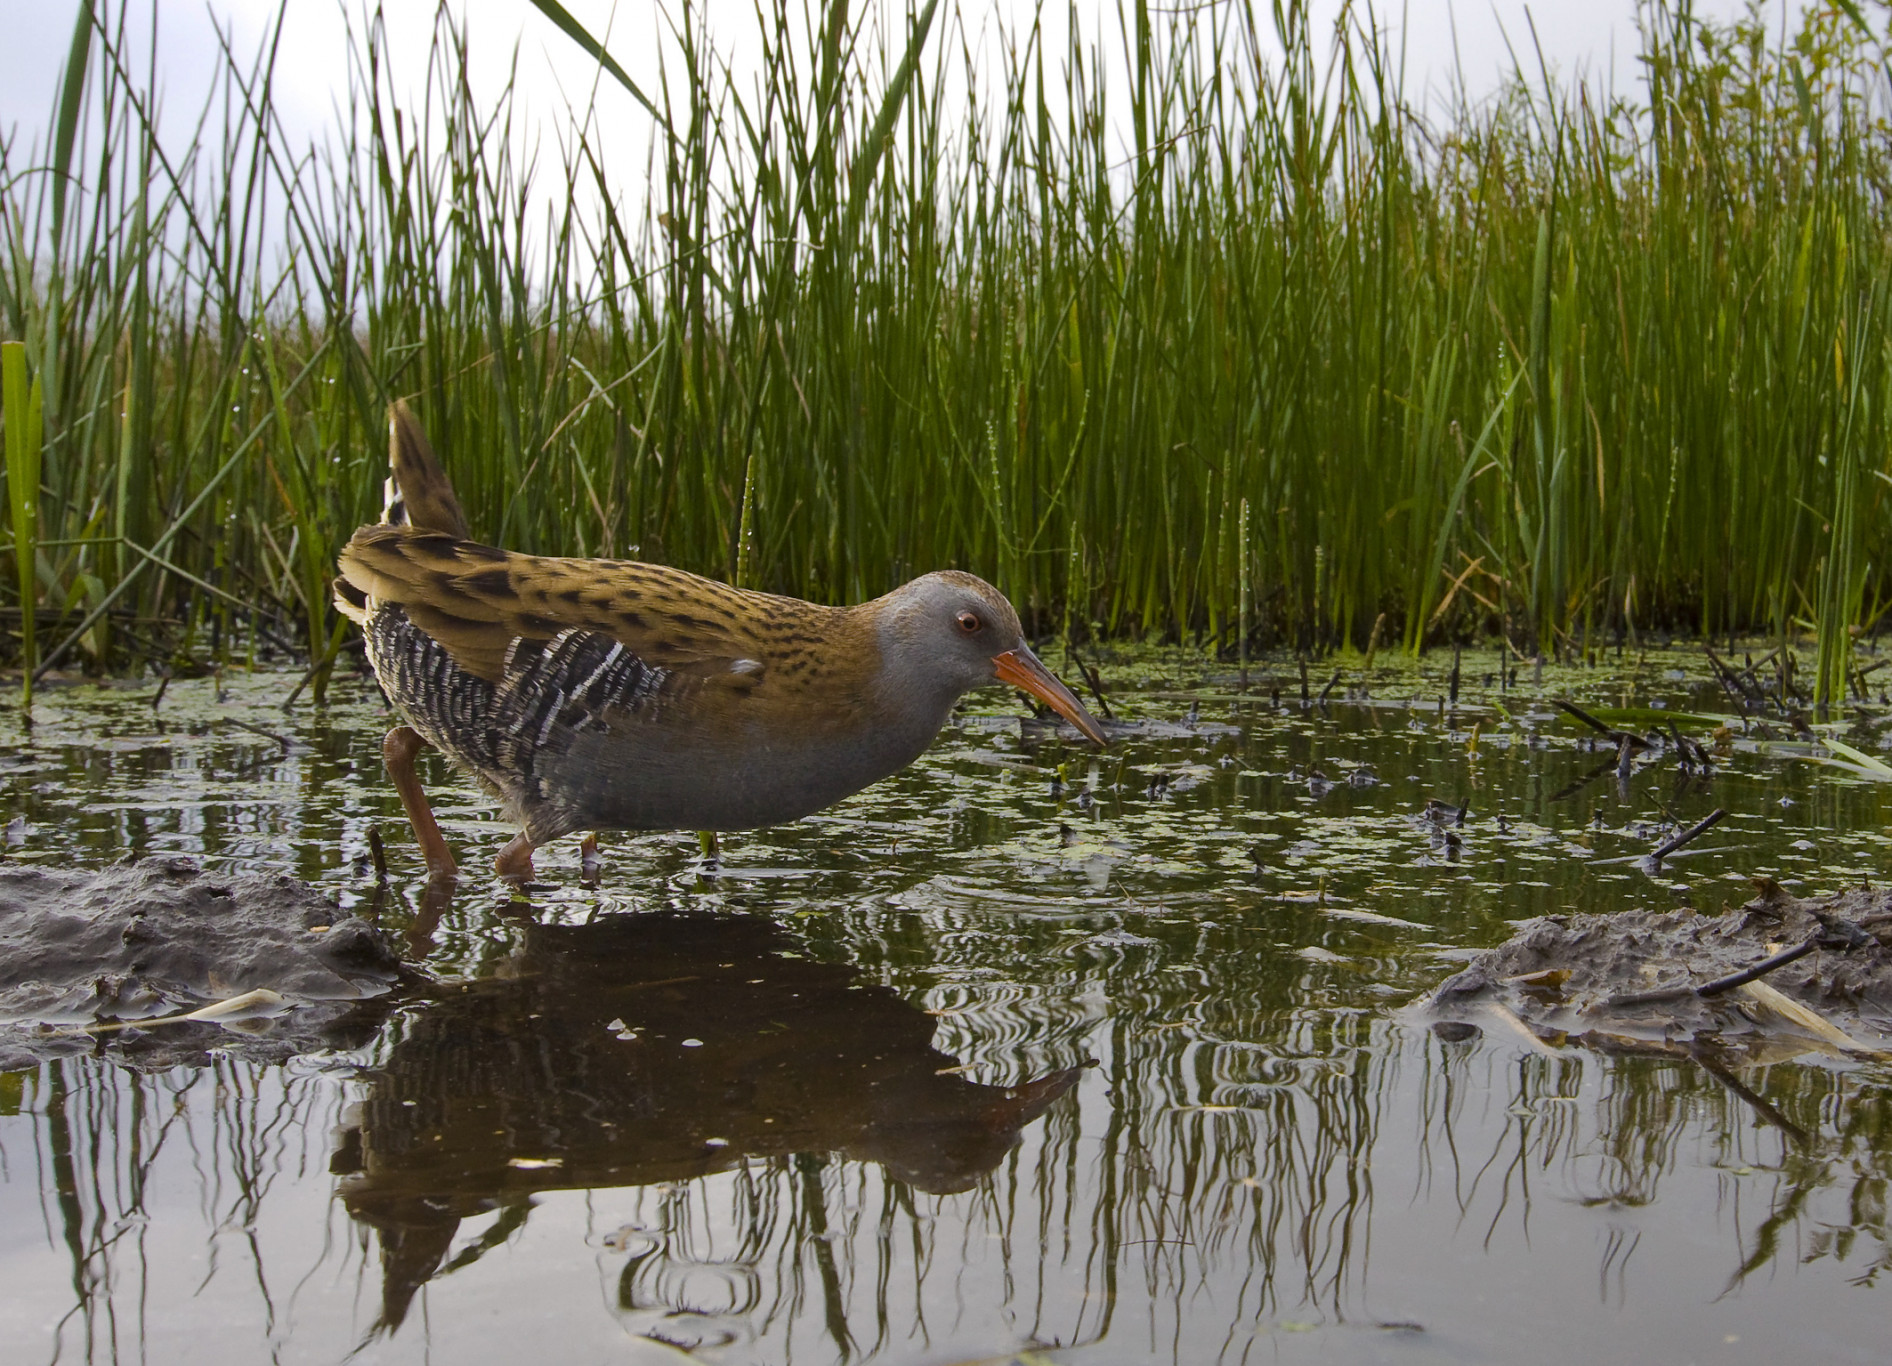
397,752
515,860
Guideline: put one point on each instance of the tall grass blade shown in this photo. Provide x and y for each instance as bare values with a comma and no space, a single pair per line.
71,107
579,34
892,104
21,399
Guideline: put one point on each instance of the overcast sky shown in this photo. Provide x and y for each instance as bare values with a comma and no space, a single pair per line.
1576,35
1476,37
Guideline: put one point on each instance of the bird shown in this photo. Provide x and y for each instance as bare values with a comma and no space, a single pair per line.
600,694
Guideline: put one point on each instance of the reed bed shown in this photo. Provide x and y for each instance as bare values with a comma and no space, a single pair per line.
1196,326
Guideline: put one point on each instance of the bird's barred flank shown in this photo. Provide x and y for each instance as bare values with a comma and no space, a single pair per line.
574,681
438,697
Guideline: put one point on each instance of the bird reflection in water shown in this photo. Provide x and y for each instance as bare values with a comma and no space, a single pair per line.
645,1049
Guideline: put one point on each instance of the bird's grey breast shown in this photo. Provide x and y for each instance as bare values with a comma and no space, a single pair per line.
741,764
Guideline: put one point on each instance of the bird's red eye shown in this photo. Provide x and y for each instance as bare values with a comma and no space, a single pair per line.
968,623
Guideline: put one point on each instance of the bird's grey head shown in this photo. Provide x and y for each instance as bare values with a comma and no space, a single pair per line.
950,627
947,633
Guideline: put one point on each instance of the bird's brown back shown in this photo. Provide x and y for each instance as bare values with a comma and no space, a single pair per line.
475,601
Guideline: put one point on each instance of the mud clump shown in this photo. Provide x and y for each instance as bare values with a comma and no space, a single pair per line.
1664,979
163,937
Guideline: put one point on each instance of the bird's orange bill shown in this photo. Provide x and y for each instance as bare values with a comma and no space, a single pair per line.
1021,669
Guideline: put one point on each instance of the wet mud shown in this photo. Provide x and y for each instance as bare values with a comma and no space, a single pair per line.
1649,977
162,937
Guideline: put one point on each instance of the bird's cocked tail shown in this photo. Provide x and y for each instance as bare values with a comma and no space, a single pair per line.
419,494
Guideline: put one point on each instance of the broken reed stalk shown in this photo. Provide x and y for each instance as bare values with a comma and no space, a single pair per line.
1753,972
327,660
1092,680
1617,737
282,740
1695,831
262,998
1728,679
1693,755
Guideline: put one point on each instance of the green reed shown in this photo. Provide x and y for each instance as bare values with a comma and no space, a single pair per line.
1135,323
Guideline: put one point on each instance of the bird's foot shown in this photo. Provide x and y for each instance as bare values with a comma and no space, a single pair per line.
515,860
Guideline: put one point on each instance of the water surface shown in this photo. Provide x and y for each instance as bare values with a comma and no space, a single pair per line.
1027,1051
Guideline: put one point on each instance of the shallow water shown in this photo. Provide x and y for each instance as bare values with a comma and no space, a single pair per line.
982,1062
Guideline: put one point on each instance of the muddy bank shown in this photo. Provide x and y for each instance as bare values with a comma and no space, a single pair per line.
163,937
1771,972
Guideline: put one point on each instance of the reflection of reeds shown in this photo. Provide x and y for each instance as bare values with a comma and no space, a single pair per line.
104,1138
1613,1146
1214,1158
1224,1170
1563,362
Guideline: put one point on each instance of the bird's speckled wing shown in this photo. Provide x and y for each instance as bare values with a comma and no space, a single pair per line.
479,604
